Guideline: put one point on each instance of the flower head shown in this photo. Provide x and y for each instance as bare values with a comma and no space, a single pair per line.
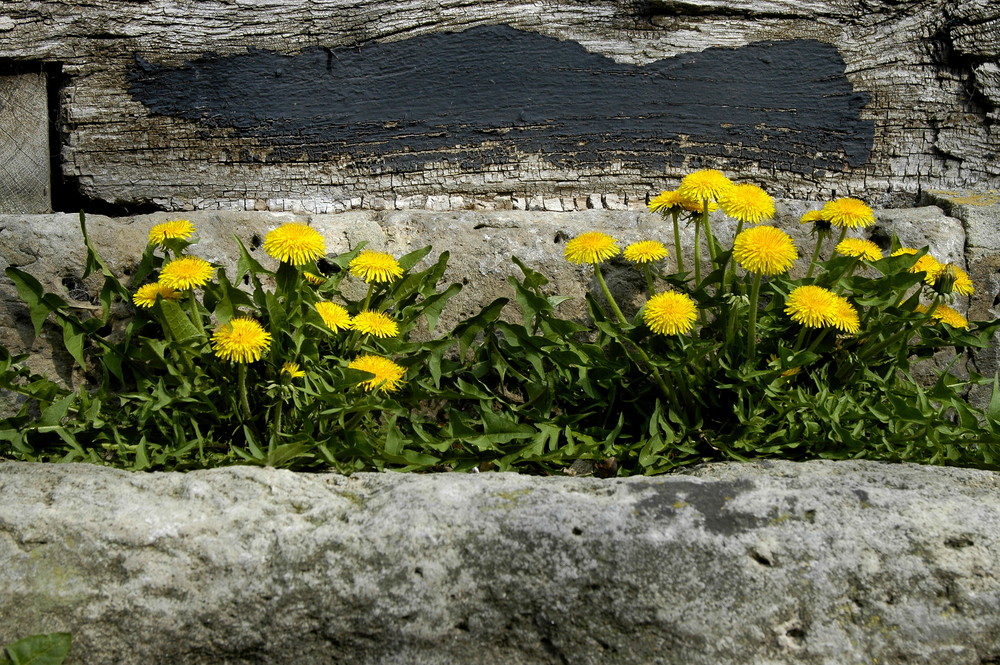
334,316
670,201
818,219
186,272
765,250
704,185
295,243
388,375
161,233
375,323
950,317
592,247
670,313
859,248
926,264
242,340
963,283
850,213
315,280
645,251
747,203
952,279
147,293
845,317
811,306
293,370
372,266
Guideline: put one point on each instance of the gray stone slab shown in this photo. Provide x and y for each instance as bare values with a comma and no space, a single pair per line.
769,563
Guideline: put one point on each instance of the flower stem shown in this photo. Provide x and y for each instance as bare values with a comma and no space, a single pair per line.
820,238
752,322
649,279
677,241
607,294
242,381
709,238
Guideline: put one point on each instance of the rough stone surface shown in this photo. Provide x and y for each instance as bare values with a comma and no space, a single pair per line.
769,563
919,76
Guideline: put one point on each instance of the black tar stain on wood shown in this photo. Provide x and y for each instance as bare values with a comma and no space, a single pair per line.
482,94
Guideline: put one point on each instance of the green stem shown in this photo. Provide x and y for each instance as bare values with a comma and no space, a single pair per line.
242,381
820,238
649,279
608,296
677,241
752,323
697,253
709,238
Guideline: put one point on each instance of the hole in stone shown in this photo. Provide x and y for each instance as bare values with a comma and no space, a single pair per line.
255,242
462,625
761,559
419,571
327,268
959,542
795,633
577,531
77,290
560,237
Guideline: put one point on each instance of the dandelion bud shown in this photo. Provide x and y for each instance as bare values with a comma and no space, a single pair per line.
945,279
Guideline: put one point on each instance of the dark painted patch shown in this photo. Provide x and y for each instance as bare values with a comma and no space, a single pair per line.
712,499
481,93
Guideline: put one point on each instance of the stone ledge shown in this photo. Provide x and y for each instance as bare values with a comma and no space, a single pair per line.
771,562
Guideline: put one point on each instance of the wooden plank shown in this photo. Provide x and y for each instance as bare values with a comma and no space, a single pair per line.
24,144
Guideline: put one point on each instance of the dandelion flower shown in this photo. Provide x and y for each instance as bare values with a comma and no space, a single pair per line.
704,185
926,264
161,233
670,313
293,370
963,283
375,323
372,266
315,280
845,317
811,306
765,249
645,251
747,203
859,248
850,213
950,317
146,295
388,375
186,272
295,243
334,316
242,340
592,247
665,201
812,216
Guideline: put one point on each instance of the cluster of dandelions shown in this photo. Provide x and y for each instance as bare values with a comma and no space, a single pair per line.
761,251
242,339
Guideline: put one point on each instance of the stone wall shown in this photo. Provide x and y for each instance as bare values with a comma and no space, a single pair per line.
331,105
772,563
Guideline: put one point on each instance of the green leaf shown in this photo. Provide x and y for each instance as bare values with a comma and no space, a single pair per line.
73,338
407,261
50,649
434,305
178,322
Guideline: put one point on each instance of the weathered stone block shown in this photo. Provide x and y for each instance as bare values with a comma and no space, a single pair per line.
771,562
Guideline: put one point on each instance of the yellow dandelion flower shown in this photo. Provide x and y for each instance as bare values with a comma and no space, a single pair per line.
848,212
242,340
372,266
388,375
963,283
845,317
293,370
295,243
747,203
859,248
704,185
645,251
765,250
375,323
670,313
665,201
949,317
811,306
926,264
592,247
161,233
315,280
334,316
147,293
187,272
812,216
